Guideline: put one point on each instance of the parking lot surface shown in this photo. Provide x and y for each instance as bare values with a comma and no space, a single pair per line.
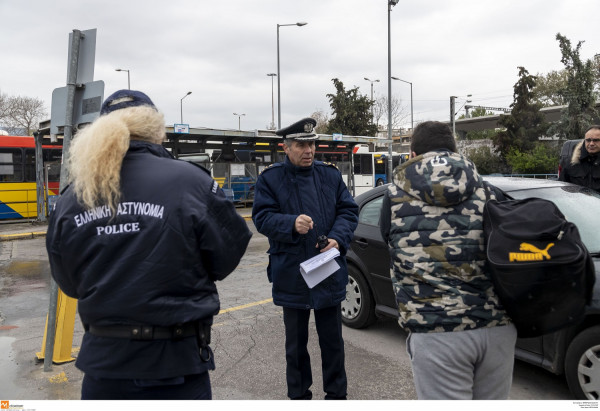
248,337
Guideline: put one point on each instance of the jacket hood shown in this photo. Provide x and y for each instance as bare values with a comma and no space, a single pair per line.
438,178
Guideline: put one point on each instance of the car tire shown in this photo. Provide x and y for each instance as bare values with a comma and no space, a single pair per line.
582,365
379,182
358,309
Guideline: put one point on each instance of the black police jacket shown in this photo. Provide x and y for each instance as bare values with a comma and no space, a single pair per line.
153,263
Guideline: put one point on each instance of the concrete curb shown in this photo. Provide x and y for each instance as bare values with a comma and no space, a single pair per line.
22,236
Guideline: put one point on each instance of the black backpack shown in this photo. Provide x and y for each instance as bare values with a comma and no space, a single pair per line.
541,270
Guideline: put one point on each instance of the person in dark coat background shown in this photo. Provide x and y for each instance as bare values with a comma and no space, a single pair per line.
139,238
584,166
296,202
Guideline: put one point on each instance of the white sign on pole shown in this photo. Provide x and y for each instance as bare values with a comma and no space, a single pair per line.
181,128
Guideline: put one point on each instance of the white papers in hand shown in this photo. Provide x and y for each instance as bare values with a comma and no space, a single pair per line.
318,268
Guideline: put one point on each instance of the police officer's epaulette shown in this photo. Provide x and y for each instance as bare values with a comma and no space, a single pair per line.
270,167
197,165
327,163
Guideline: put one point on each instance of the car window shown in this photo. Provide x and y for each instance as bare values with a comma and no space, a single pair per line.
578,206
369,213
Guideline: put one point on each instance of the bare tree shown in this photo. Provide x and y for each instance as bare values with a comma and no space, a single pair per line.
4,109
400,114
25,113
322,121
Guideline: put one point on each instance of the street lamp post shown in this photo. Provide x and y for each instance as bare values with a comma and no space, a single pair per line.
239,120
411,101
372,81
128,82
272,102
278,72
454,112
181,105
391,3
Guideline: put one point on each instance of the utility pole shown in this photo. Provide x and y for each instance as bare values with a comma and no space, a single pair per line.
452,114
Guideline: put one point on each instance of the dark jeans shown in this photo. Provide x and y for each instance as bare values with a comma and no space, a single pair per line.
190,387
298,372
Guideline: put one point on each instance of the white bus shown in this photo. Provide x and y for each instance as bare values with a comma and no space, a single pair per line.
371,168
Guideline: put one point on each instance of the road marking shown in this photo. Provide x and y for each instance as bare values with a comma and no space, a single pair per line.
59,378
241,307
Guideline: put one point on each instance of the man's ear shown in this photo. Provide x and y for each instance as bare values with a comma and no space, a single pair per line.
413,154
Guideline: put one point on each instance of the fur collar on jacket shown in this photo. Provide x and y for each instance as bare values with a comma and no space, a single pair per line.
578,152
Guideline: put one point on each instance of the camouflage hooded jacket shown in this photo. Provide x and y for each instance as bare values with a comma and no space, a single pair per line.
432,221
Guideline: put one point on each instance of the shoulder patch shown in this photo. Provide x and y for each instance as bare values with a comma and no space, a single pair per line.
327,163
272,166
196,165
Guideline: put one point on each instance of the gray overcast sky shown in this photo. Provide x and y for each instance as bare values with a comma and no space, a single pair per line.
223,50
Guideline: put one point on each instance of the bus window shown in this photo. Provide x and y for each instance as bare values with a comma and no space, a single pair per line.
11,164
363,163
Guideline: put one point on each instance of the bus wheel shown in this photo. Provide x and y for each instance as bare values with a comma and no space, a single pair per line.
379,182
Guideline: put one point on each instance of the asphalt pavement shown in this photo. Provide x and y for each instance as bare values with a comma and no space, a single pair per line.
248,336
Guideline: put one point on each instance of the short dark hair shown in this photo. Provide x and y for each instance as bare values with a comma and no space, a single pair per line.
593,127
430,136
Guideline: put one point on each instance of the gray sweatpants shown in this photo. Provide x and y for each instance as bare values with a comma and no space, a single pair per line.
463,365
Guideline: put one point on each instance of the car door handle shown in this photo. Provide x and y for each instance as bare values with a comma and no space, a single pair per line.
362,242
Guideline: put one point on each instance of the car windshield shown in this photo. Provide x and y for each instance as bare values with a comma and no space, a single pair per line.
578,206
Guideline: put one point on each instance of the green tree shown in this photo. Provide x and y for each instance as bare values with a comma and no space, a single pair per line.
486,161
541,160
351,112
525,124
578,93
548,89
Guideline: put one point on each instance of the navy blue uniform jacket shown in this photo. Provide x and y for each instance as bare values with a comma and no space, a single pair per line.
284,191
154,263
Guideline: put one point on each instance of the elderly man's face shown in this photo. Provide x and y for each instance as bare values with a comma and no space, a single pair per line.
592,141
300,153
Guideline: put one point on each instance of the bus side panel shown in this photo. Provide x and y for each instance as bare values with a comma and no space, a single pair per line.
16,200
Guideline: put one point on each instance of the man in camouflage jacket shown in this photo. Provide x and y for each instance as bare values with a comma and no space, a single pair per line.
461,341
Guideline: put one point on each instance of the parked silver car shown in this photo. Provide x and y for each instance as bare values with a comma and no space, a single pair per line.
574,352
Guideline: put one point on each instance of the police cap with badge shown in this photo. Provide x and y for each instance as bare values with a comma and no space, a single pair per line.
300,131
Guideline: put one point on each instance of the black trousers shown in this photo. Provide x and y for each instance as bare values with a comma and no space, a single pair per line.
190,387
298,372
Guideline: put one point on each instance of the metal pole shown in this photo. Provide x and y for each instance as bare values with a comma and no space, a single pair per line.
452,114
412,124
39,177
372,113
278,84
64,178
272,101
181,105
390,160
128,81
279,73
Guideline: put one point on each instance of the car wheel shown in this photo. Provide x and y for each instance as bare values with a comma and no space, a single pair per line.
358,309
582,364
379,182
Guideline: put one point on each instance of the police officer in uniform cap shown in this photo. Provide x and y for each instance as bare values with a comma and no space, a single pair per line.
139,238
297,203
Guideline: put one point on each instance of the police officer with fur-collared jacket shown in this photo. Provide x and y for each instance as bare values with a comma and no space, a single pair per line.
140,238
296,202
